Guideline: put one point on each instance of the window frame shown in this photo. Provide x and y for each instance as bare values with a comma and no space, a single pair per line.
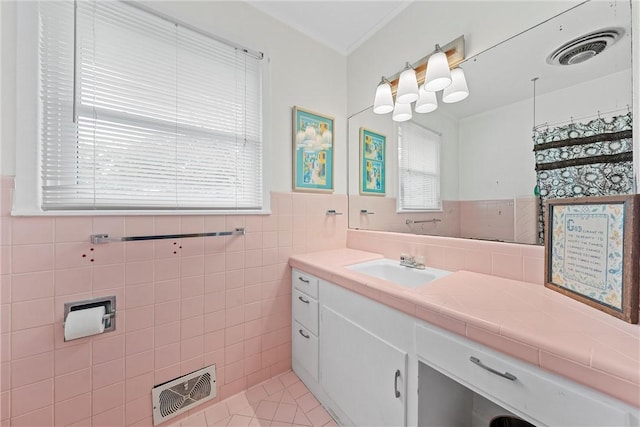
438,176
28,183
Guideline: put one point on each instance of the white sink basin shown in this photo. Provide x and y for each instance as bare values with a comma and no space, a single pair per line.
392,271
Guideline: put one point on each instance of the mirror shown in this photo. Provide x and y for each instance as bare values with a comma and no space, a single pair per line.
487,164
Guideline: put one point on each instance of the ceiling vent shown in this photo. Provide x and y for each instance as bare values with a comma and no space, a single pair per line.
585,47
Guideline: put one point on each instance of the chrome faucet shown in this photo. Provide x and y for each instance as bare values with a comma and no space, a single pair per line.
412,261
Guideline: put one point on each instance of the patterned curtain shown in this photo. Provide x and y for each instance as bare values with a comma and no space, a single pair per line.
583,159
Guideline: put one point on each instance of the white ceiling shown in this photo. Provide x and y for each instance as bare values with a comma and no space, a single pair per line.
341,25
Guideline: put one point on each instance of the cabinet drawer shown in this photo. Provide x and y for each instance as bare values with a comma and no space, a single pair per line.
525,389
305,311
305,283
305,349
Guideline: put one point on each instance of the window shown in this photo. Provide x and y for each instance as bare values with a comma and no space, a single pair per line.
418,168
138,112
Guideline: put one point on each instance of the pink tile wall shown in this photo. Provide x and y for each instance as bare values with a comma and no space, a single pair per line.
385,217
488,219
508,220
508,260
182,304
526,220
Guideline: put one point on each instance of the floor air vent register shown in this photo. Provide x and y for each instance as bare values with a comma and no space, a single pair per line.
183,393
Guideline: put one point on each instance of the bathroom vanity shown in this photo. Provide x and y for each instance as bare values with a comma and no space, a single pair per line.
360,347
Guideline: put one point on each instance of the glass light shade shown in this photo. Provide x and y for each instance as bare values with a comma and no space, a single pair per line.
407,87
457,90
438,73
402,112
383,102
427,102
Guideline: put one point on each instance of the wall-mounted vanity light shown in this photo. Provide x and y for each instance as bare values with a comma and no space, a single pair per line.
419,83
402,112
407,86
438,73
427,102
383,102
457,90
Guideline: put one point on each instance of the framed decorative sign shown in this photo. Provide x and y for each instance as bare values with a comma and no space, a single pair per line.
592,250
312,151
372,163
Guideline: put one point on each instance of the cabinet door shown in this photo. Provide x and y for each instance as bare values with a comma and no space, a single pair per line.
363,374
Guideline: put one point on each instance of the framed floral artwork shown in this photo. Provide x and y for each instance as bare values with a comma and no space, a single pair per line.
591,252
372,162
312,151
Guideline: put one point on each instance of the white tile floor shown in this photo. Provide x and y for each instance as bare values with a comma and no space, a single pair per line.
281,401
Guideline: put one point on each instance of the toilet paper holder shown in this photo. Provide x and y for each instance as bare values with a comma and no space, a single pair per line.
109,304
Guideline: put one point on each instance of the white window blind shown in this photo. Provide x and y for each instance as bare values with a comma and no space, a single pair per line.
164,117
418,168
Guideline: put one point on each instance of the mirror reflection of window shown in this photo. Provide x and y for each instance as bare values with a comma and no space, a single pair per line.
418,168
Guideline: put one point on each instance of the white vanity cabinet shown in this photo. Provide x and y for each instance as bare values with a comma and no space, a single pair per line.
371,365
351,352
304,326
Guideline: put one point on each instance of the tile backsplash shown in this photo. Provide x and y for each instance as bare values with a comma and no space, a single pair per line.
507,220
182,304
508,260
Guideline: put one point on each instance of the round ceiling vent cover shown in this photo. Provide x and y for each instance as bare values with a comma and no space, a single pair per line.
585,47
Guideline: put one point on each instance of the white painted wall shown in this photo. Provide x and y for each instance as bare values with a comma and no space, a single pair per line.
496,158
303,72
507,169
7,87
606,94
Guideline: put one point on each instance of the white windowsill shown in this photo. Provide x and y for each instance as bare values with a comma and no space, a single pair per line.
135,212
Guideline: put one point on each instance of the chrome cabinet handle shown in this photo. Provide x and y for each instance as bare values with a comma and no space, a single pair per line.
506,375
303,300
395,383
303,334
302,279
